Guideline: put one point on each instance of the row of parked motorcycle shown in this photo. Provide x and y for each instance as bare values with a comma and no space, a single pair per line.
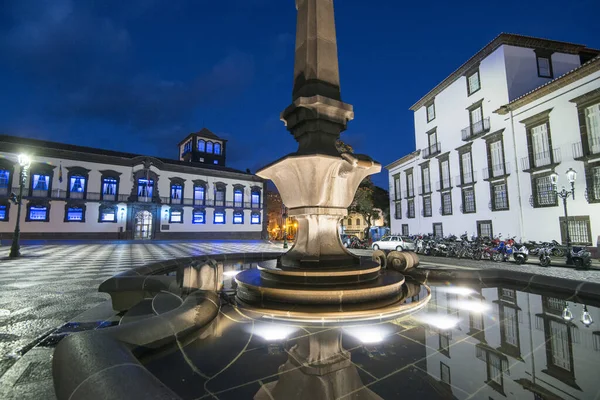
498,249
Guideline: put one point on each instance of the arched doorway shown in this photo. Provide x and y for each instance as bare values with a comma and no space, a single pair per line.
143,225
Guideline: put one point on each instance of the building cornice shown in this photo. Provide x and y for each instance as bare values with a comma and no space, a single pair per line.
402,160
575,74
502,39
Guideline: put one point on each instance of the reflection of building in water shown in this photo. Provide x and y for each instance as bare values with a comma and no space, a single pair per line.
502,362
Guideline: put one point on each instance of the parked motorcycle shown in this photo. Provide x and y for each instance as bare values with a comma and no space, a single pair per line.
582,259
520,253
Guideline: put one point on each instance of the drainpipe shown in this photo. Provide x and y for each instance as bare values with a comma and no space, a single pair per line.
512,129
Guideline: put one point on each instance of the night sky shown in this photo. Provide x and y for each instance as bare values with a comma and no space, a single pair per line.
138,75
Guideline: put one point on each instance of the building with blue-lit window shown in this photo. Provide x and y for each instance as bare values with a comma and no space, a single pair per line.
75,192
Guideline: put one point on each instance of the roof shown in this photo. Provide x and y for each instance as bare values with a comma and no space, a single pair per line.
577,73
205,133
502,39
16,141
402,160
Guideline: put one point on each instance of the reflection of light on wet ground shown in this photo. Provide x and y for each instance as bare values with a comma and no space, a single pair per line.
471,305
440,321
463,291
368,334
273,332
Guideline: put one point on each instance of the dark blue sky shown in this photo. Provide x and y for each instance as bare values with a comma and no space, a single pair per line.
138,75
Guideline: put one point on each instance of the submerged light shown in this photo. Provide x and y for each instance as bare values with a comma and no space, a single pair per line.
586,318
567,315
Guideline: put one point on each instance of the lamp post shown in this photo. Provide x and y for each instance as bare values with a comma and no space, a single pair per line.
24,163
564,194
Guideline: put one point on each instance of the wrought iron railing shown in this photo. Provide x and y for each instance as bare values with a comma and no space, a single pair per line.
476,129
497,170
541,159
432,150
466,179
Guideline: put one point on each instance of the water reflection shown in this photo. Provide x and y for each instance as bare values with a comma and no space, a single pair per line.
469,342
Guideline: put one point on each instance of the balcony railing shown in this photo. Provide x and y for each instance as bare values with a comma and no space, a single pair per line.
444,184
432,150
542,159
424,189
476,129
466,179
587,149
409,193
497,171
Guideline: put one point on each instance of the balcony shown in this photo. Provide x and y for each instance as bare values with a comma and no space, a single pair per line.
465,179
432,150
444,184
424,189
540,160
477,129
583,151
497,171
409,193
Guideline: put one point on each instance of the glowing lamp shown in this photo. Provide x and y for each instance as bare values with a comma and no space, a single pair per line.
586,318
24,160
571,175
554,178
567,315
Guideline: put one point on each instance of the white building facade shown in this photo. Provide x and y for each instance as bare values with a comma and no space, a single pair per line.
74,192
489,136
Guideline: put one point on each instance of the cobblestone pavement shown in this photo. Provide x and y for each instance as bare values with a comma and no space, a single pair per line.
51,284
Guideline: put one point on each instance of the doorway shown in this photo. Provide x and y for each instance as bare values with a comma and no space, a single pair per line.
143,225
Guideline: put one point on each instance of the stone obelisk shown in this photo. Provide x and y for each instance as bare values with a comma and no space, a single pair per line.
317,183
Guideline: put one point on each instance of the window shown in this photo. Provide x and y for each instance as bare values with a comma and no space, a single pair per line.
349,222
4,182
430,112
37,213
219,217
176,193
444,373
543,192
427,206
411,208
499,197
405,230
596,338
476,118
40,185
255,218
544,66
579,230
109,188
473,83
3,212
145,189
409,184
438,230
466,168
199,191
447,203
238,197
397,187
75,214
398,213
187,148
592,122
433,146
358,221
497,158
209,147
445,174
201,145
217,149
175,216
444,343
219,195
108,214
426,179
198,217
484,229
255,199
238,217
593,183
468,200
540,145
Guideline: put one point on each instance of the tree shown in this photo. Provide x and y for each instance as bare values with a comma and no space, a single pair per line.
364,205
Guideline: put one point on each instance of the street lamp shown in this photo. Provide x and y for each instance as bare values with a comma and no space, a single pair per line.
571,175
24,163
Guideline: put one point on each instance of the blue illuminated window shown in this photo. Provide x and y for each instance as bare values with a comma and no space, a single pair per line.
76,186
255,199
40,184
238,217
199,194
108,214
219,196
75,214
217,149
201,145
145,187
219,217
176,192
187,148
209,147
255,218
238,198
38,213
4,177
109,188
176,216
198,217
3,213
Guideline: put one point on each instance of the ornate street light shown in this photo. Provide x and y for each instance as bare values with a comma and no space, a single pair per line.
24,163
571,175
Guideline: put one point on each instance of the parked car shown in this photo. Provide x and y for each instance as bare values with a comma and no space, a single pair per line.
398,243
347,239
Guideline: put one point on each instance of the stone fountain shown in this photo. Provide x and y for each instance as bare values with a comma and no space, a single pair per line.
318,277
